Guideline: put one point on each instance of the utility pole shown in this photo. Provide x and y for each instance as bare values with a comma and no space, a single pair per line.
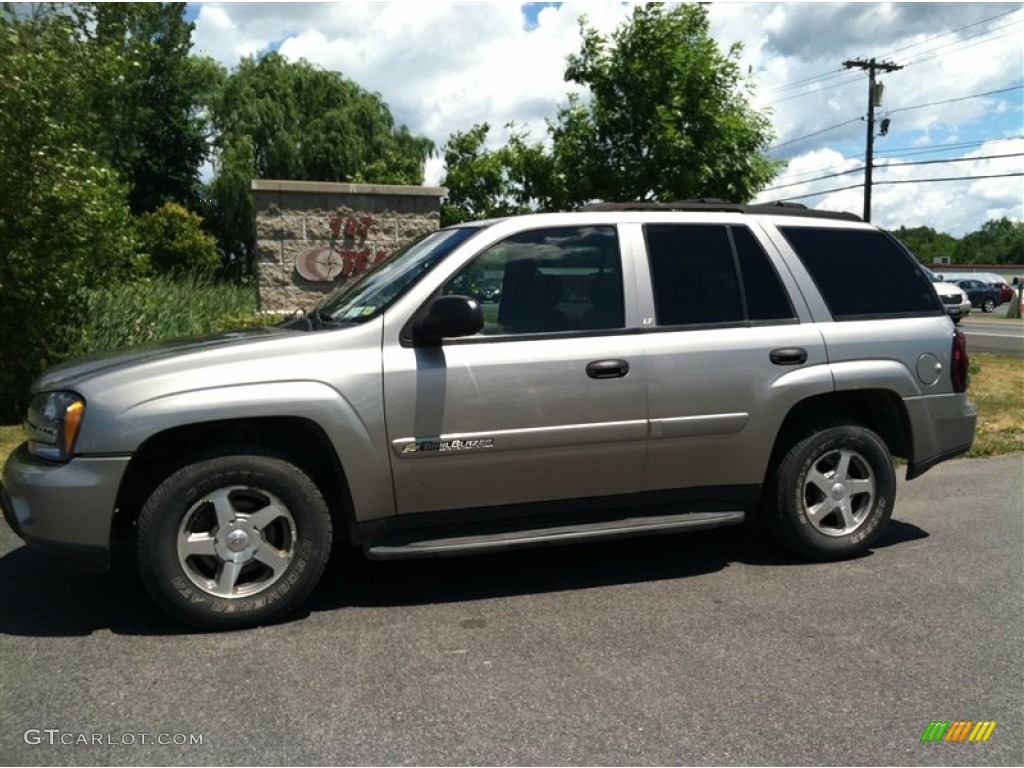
869,155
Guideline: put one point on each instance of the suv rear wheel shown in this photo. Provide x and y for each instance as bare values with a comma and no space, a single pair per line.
833,492
232,540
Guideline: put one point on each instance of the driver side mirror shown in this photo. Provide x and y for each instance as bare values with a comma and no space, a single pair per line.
449,317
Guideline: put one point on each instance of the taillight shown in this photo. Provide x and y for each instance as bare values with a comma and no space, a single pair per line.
958,370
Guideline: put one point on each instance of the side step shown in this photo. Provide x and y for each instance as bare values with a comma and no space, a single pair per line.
442,542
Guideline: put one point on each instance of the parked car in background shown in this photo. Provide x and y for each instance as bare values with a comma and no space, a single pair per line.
988,278
982,295
957,305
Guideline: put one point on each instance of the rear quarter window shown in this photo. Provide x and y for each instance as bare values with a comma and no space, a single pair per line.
863,274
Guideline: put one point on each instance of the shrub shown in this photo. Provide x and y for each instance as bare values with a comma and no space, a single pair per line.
72,230
176,244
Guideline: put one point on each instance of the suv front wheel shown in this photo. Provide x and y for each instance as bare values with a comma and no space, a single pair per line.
832,493
233,540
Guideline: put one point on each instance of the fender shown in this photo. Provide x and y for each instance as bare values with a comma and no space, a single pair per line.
360,447
875,374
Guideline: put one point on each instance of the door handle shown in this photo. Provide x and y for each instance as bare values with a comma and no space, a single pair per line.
607,369
790,356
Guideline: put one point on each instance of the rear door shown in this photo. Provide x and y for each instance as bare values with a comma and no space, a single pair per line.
548,402
729,352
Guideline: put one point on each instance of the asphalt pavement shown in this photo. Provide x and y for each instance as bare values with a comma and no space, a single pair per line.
710,648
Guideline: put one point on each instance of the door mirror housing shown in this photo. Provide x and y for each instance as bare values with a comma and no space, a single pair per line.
449,317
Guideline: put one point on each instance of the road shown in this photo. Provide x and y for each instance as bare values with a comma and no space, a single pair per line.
988,333
711,648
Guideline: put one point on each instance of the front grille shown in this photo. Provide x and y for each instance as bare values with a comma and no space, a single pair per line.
950,299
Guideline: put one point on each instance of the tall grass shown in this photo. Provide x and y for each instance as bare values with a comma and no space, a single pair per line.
160,308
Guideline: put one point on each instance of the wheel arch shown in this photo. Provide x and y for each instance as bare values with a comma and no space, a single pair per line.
882,411
297,439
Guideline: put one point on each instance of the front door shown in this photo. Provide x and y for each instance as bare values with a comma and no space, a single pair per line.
548,402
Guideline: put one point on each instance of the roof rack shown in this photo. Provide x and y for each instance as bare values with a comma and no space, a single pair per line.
709,204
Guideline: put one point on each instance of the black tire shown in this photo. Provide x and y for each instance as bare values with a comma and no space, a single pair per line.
820,510
988,305
235,539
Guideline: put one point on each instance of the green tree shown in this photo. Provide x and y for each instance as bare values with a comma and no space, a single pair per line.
151,125
667,117
999,241
66,223
175,243
927,244
484,183
291,120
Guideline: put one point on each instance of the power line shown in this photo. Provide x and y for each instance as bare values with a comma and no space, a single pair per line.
895,111
911,151
807,81
950,160
959,46
816,133
906,181
959,98
952,32
860,168
845,82
832,74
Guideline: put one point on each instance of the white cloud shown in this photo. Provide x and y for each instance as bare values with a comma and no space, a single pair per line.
442,67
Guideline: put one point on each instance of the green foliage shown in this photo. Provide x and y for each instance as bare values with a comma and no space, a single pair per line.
927,244
230,214
66,223
144,93
174,241
667,118
668,115
484,183
999,241
151,310
291,120
303,122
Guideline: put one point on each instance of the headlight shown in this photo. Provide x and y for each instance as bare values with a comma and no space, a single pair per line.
52,424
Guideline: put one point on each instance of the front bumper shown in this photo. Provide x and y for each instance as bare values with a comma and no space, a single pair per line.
64,509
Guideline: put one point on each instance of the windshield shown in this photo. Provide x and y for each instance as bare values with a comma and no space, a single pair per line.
370,294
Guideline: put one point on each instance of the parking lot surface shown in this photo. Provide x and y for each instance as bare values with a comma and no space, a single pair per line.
710,648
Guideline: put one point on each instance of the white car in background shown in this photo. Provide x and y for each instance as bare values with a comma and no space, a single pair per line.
957,305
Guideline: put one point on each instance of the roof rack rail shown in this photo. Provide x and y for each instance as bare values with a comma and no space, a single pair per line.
711,204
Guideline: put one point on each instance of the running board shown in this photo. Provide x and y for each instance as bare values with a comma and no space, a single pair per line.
440,543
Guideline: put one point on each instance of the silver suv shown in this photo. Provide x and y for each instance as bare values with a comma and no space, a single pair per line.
645,369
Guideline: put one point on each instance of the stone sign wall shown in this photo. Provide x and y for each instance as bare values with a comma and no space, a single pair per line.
313,236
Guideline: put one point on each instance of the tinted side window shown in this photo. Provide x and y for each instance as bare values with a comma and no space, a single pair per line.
863,273
694,274
547,281
766,298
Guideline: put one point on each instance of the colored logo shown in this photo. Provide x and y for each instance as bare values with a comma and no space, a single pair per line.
958,730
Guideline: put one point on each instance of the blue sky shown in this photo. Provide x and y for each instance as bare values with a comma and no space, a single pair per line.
443,67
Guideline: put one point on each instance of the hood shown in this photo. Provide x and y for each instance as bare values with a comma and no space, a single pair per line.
67,374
